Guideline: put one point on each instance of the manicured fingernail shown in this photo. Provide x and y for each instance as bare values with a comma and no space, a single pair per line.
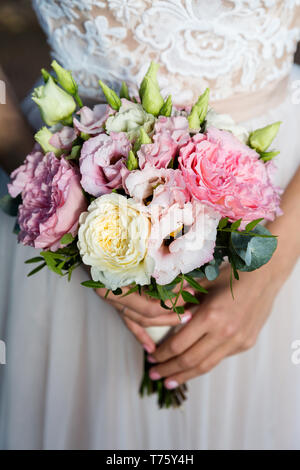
187,316
154,375
148,348
171,384
151,359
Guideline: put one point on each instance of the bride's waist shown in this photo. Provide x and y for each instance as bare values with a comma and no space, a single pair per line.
245,106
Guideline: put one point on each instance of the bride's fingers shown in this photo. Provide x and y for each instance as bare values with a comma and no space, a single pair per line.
168,319
139,303
141,334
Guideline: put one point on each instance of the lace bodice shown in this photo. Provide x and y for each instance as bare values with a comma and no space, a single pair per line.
233,46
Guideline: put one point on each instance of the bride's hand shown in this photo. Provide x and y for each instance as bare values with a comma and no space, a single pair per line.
139,312
220,327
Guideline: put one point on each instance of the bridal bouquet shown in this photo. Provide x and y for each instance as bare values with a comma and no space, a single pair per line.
150,196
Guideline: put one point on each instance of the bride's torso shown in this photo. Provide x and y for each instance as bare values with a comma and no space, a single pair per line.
234,47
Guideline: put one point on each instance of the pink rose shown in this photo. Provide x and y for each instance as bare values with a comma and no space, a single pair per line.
194,227
222,172
102,163
52,200
64,138
92,121
170,133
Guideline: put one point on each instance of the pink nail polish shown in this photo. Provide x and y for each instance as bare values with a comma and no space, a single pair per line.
187,316
190,290
147,348
171,384
154,375
151,359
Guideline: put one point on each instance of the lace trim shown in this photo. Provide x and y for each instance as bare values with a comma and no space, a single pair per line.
231,46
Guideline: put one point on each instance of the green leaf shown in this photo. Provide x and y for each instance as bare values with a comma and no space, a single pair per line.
253,224
149,91
50,259
199,111
223,222
10,205
190,298
132,161
235,225
266,156
93,284
166,109
164,293
261,139
67,239
133,289
111,96
124,91
179,310
34,260
251,251
194,284
37,269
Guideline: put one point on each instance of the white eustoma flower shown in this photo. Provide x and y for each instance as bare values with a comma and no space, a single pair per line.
113,240
226,123
129,119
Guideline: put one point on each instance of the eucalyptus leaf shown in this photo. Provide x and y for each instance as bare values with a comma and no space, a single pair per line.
211,272
252,252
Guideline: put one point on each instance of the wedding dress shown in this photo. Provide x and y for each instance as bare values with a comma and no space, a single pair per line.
73,369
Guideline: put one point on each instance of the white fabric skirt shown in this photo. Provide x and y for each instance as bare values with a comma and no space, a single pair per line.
73,370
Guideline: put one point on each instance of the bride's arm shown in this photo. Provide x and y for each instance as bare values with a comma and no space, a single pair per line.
16,138
222,326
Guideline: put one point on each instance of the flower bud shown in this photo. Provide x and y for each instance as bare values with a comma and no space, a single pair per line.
166,109
132,162
55,104
262,138
111,96
142,139
64,78
199,110
42,137
151,98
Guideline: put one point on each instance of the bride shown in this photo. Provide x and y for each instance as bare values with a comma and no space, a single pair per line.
72,369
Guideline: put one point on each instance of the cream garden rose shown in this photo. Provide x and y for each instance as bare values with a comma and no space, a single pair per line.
113,240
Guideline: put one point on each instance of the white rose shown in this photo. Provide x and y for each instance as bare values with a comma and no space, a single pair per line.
226,123
113,240
129,119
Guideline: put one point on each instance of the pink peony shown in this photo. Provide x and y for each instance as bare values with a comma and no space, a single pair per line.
64,138
224,173
52,200
102,163
194,227
92,121
170,133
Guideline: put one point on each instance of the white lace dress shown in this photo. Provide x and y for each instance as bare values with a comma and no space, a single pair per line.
73,369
